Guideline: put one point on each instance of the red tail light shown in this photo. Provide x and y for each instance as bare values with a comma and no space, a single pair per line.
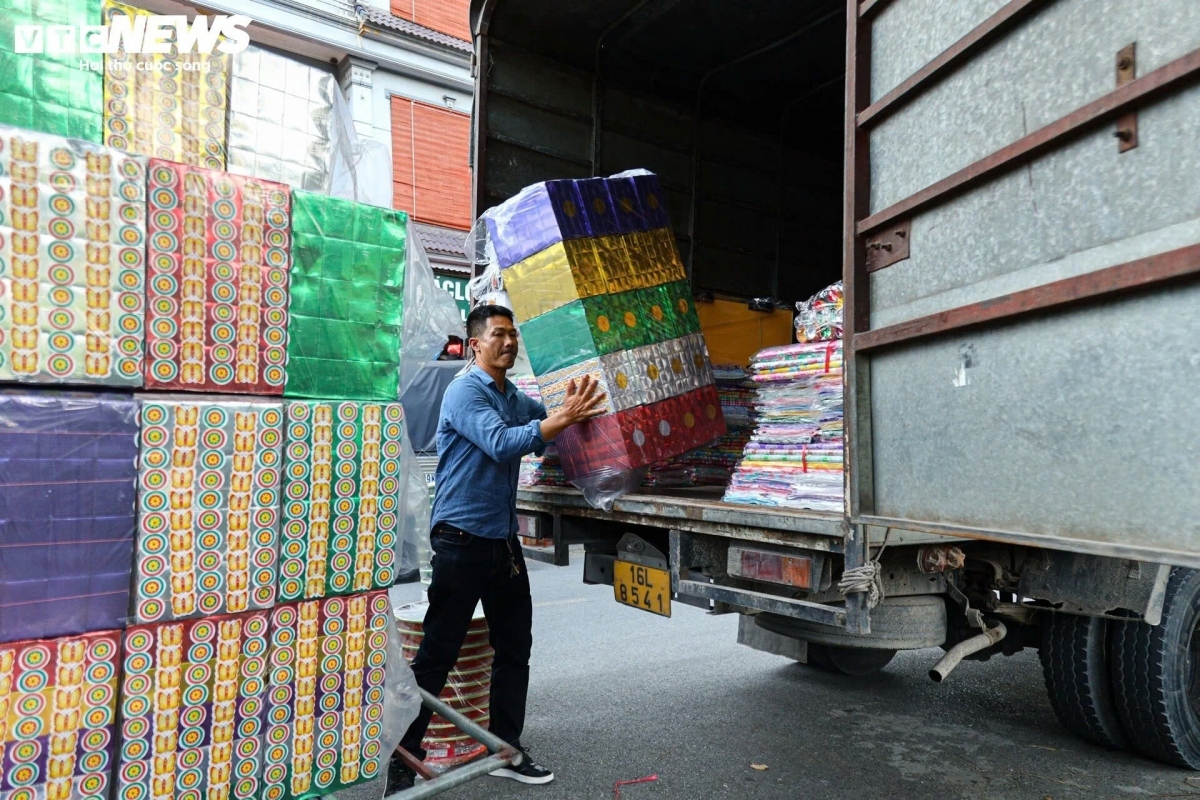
765,565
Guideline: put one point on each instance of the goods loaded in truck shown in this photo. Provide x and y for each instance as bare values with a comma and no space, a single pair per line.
1008,190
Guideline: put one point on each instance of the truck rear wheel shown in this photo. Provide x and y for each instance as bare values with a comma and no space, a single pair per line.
1075,664
1156,676
854,661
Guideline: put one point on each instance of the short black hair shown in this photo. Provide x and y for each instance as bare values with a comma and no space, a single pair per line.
478,318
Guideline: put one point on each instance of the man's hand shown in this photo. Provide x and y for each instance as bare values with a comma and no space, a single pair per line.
583,402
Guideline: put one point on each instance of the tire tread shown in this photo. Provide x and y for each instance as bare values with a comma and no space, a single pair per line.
1074,665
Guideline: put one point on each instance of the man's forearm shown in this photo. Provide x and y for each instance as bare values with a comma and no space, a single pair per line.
555,424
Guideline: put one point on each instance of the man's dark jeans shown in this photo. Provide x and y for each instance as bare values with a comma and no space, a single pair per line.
467,569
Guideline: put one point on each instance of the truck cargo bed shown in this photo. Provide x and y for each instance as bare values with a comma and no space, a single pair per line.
697,510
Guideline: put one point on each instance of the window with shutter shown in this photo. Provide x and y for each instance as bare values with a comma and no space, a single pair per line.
431,178
446,16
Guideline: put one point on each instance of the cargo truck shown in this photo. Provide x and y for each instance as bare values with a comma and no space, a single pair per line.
1011,192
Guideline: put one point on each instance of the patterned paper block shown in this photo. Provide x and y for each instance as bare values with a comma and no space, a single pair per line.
341,495
325,717
210,499
219,257
559,211
279,119
194,708
641,435
51,92
347,299
170,105
58,715
72,262
636,377
603,324
68,486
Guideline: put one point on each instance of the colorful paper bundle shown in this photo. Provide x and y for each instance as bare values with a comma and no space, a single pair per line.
598,288
341,495
58,717
54,93
72,262
279,117
68,481
546,469
210,496
347,299
713,464
325,705
194,709
795,457
219,258
167,105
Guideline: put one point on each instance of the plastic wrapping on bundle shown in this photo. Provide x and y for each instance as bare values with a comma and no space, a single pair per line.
68,485
341,497
591,270
162,739
60,700
821,317
72,261
330,675
219,281
795,457
60,93
347,299
210,475
168,105
412,542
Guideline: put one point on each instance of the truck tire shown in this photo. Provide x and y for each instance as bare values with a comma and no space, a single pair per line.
1156,676
1075,664
898,623
853,661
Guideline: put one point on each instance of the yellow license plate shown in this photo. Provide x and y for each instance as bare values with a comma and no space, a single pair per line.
646,588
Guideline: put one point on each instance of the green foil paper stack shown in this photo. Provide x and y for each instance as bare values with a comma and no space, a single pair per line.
347,299
45,91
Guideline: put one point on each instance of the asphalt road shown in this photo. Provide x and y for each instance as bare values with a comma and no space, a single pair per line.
619,694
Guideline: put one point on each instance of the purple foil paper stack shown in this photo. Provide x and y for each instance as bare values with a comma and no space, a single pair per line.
68,489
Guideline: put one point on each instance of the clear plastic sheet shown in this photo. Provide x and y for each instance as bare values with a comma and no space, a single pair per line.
401,701
360,169
68,486
591,269
412,543
430,314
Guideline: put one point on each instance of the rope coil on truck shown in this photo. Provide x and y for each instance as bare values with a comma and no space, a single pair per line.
868,578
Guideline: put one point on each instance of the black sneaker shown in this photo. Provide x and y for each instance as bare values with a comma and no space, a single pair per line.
529,771
399,777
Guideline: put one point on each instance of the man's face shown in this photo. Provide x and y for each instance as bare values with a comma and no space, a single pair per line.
497,347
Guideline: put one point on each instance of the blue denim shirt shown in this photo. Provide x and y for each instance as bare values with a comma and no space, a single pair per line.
481,436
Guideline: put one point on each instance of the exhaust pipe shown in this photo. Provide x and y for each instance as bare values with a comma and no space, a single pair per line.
965,648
